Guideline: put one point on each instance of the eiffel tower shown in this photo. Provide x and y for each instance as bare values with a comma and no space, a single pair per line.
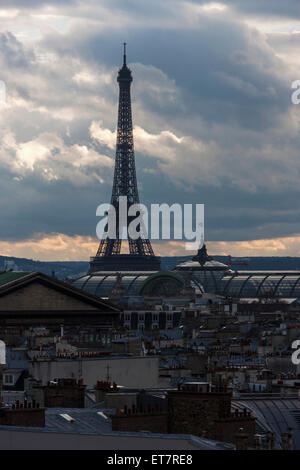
141,256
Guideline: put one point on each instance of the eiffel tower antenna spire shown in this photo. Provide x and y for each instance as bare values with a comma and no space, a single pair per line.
124,56
109,255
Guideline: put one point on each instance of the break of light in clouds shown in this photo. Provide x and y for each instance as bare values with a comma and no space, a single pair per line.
54,246
213,119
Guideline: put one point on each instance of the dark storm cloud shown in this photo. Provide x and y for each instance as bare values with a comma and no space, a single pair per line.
222,69
232,214
266,8
35,206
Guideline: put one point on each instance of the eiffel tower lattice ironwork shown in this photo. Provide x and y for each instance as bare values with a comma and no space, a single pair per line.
109,255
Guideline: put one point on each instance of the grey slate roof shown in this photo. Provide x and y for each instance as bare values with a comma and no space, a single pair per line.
93,422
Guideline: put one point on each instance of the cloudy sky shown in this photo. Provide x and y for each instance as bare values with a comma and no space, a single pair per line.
214,122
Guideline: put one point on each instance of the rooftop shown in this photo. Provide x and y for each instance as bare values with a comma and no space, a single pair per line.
9,276
97,422
273,413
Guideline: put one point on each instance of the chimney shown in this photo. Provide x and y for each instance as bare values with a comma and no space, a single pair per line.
241,440
291,439
288,440
284,440
270,440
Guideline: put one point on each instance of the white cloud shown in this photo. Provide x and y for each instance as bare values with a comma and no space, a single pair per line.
180,157
50,157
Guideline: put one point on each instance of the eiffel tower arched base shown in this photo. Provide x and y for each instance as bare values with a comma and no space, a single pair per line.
126,262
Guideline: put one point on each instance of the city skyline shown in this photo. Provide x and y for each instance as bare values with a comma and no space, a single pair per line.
213,121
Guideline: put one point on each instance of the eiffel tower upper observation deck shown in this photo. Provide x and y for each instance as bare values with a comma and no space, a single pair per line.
141,255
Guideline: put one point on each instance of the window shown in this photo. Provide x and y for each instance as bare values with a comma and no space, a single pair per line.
67,417
154,317
169,320
127,317
141,321
8,379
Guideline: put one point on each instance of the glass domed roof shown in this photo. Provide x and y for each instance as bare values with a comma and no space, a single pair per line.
101,283
205,272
